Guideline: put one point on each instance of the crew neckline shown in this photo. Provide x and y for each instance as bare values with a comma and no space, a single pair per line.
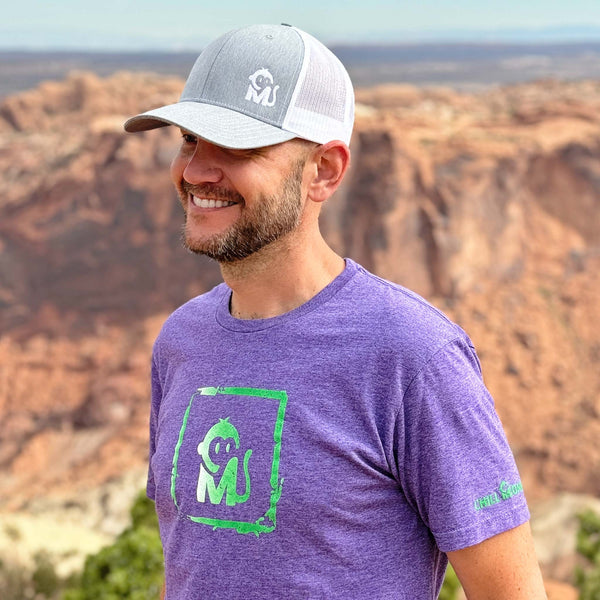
227,321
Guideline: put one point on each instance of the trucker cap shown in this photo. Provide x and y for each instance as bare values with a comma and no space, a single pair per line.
258,86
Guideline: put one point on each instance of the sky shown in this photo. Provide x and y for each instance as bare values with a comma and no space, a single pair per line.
186,25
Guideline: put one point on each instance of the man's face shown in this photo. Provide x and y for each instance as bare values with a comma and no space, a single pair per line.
237,202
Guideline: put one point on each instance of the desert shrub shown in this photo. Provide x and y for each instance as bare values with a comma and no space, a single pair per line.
46,582
14,581
24,581
588,546
129,569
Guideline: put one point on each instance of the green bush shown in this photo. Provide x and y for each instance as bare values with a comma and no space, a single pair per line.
451,585
46,582
131,568
588,546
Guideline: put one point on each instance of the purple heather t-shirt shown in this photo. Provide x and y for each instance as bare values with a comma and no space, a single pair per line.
336,451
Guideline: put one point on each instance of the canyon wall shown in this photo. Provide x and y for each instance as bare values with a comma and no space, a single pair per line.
488,205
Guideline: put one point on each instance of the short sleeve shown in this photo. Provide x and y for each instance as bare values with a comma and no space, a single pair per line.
156,399
456,467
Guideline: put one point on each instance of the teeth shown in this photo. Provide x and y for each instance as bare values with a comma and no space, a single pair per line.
210,203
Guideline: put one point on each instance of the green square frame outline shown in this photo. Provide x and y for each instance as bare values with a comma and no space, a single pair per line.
256,527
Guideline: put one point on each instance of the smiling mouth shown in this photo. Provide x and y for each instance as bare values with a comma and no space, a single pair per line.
210,202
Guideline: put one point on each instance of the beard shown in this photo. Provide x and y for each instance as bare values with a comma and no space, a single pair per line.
271,218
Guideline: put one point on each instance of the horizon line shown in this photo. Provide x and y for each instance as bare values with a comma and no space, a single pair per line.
339,44
30,40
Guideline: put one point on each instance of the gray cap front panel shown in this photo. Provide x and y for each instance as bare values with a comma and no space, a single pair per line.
252,71
196,81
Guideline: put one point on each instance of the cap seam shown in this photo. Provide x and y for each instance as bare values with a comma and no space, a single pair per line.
299,75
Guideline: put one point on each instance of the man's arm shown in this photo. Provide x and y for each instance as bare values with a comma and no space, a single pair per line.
503,567
163,591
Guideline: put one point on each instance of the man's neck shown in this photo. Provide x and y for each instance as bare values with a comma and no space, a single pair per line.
280,277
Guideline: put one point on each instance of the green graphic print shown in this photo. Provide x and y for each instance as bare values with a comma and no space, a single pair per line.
230,443
223,430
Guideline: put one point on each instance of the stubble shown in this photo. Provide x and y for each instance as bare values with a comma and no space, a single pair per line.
271,218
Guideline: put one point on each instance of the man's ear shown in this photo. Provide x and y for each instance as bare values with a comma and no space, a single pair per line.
331,161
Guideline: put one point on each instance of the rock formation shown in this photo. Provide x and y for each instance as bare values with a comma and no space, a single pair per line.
488,205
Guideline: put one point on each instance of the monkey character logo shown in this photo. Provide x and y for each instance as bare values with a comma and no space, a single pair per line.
214,450
261,90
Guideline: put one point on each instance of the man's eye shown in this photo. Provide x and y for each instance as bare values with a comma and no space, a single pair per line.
189,138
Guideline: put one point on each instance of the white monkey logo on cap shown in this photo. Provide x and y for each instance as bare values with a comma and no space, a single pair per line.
261,90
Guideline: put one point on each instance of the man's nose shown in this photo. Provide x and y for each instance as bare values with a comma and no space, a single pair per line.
203,166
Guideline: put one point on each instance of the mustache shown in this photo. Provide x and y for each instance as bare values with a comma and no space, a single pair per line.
211,192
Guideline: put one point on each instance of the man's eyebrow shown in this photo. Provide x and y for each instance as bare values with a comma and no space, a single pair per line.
247,151
240,152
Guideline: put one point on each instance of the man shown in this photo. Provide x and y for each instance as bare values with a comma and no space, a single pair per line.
316,432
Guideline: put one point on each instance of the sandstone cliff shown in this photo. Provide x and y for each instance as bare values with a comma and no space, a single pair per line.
490,206
486,204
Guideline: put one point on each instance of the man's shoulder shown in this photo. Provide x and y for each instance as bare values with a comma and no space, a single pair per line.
398,309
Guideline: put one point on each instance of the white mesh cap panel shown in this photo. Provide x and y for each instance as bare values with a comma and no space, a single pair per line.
322,108
323,88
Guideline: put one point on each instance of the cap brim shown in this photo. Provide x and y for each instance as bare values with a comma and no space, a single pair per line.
218,125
